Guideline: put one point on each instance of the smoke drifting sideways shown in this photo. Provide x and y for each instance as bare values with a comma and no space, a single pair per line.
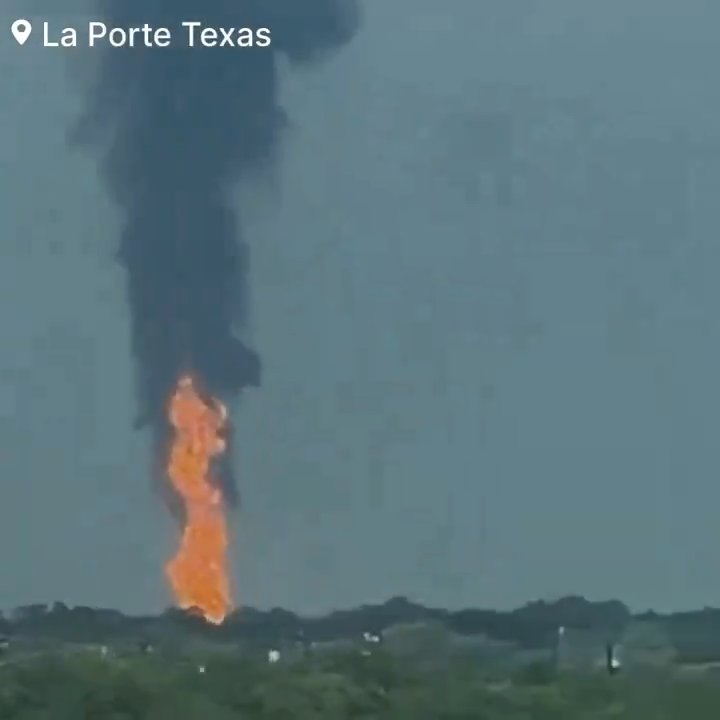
174,130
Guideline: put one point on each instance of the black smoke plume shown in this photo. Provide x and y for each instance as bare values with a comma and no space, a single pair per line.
175,129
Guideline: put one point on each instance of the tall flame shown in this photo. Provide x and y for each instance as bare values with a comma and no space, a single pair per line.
198,573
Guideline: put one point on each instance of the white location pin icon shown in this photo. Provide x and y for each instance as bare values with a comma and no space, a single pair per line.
21,30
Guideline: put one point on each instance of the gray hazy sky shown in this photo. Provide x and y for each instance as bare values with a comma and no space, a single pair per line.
466,405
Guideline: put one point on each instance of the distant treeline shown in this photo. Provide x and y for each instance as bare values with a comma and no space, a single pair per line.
532,626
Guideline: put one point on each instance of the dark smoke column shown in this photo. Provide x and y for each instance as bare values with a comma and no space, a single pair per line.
175,128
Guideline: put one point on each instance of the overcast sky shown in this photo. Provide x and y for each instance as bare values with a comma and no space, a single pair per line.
463,403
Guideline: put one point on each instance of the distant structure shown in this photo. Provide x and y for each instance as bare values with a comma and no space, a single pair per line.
273,656
585,649
612,663
557,648
369,639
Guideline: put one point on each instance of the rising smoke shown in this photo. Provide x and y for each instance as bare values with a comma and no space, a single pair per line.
175,129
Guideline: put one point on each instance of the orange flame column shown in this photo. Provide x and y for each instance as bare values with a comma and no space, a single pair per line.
198,573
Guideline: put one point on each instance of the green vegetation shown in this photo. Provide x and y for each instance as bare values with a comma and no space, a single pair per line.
544,661
82,685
